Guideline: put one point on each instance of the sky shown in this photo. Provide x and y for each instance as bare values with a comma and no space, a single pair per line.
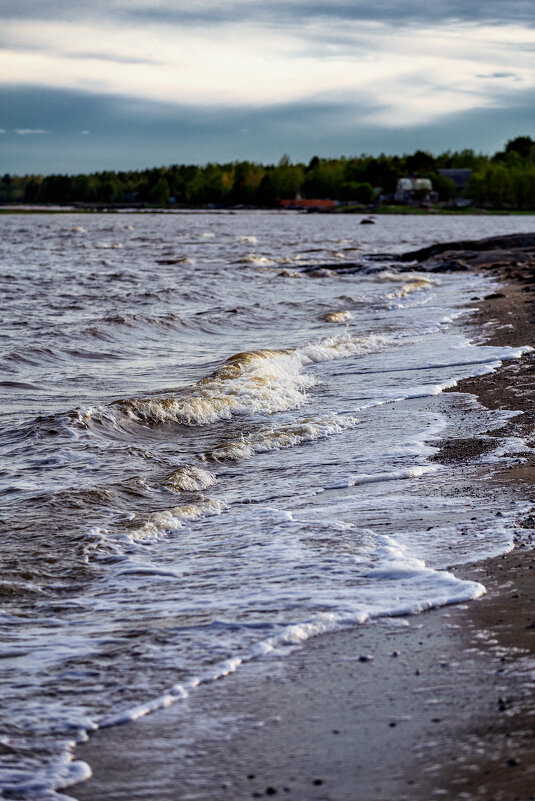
127,84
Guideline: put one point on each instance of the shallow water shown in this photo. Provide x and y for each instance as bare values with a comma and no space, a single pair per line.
215,444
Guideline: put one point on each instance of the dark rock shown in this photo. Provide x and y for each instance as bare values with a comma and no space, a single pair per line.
492,243
449,266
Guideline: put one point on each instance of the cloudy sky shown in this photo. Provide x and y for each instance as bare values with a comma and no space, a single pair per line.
88,85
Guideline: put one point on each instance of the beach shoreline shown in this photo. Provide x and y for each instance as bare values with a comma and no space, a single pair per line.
434,705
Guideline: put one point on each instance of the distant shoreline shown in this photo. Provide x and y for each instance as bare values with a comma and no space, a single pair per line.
364,212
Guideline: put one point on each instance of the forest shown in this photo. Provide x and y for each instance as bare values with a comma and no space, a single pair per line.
503,181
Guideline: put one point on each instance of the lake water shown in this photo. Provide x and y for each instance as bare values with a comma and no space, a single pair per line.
215,445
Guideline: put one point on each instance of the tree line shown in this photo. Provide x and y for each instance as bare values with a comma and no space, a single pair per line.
505,180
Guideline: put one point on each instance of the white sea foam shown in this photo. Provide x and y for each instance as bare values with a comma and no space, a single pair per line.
402,585
507,448
372,478
158,524
260,261
391,276
337,317
416,284
253,381
285,273
75,229
288,436
45,779
189,478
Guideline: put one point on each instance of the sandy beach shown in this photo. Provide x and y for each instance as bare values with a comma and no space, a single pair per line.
438,705
444,709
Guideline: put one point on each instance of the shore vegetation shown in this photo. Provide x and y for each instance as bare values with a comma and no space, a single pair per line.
502,181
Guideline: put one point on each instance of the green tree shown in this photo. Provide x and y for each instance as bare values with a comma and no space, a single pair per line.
359,192
159,193
521,145
287,180
420,161
324,179
381,172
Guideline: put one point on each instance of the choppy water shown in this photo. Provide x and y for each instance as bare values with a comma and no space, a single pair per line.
214,444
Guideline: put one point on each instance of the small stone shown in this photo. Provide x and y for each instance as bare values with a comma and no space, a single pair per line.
317,782
366,658
271,791
392,724
395,653
513,762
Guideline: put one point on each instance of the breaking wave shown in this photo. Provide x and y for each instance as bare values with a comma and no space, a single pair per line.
287,436
414,285
158,524
337,317
251,382
189,478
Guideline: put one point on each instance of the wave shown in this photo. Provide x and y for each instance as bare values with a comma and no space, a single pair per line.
34,356
175,260
189,478
374,478
337,317
75,229
290,274
158,524
415,285
251,382
400,277
417,589
262,261
288,436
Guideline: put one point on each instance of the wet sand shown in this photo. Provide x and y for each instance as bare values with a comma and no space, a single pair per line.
445,708
439,705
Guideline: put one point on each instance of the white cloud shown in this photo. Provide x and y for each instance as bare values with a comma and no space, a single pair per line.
84,133
2,131
409,76
29,131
